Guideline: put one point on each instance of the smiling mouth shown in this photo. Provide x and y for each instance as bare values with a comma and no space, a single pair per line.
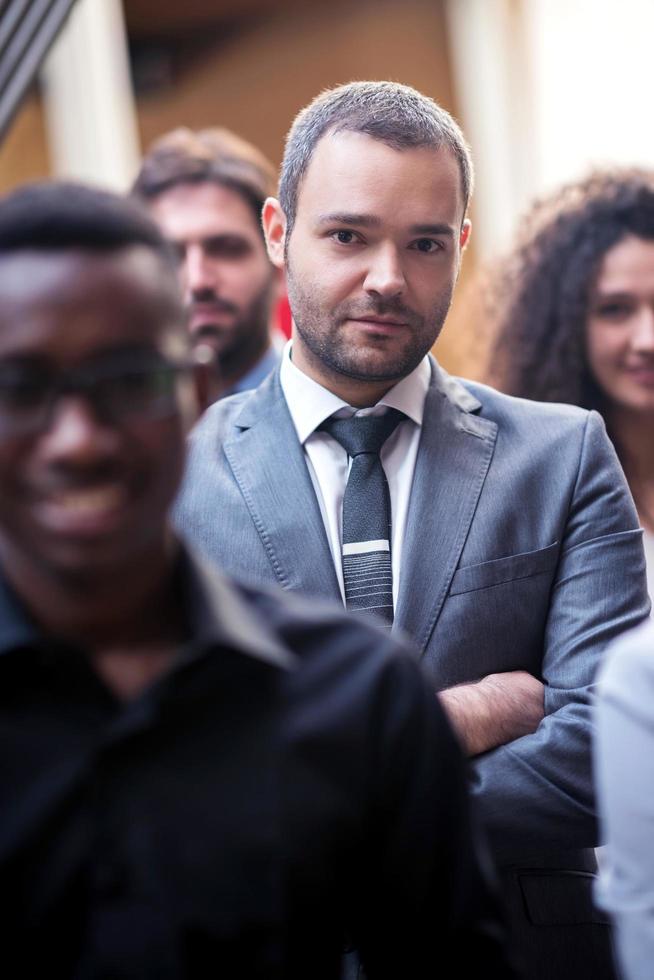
83,510
643,373
90,499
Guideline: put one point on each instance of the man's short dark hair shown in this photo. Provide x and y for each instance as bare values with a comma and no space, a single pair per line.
58,215
394,114
216,155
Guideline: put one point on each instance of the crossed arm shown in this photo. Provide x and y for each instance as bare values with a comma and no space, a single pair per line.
494,710
530,740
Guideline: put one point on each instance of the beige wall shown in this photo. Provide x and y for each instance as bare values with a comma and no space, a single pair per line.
24,152
257,82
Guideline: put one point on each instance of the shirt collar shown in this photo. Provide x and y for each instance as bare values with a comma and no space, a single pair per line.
309,403
16,627
218,616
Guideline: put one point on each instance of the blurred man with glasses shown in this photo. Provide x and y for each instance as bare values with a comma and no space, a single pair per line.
197,778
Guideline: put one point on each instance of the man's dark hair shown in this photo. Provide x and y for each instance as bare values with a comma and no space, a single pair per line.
59,215
538,299
394,114
216,156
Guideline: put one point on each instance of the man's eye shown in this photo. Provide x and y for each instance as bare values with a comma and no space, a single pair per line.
138,383
344,237
426,245
17,393
179,252
227,248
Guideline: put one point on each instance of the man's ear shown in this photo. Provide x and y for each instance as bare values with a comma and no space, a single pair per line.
464,237
274,229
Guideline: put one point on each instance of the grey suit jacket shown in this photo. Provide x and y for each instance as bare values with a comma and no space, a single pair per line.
522,551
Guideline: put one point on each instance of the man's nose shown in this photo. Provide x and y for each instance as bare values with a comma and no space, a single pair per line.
385,274
200,273
75,434
642,332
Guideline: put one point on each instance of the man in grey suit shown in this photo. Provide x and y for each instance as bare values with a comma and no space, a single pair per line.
511,553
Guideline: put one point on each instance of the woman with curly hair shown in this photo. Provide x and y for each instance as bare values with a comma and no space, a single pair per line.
573,308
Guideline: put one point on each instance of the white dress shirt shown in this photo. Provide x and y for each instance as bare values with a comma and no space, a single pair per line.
310,404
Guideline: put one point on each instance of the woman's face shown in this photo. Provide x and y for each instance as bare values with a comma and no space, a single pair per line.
620,325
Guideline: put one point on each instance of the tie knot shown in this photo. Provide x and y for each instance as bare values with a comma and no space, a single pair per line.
363,433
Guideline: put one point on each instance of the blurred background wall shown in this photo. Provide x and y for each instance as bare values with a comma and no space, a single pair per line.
543,88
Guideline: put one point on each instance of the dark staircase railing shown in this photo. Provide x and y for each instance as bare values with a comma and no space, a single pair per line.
28,29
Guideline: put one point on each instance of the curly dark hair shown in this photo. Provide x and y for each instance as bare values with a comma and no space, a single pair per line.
538,299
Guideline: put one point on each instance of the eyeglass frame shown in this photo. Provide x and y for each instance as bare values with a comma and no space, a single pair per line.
82,380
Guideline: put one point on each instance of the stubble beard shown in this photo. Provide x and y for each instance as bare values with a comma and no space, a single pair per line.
240,346
323,335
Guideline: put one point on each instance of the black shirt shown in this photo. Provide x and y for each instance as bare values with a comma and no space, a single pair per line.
287,781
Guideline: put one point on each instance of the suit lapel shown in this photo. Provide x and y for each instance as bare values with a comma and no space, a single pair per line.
268,464
454,454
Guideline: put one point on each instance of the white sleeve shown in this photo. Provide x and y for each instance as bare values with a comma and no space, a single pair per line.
624,766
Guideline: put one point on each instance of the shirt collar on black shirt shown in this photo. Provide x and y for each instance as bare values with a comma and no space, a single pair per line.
217,616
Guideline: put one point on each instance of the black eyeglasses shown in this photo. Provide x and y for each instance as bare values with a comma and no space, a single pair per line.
118,389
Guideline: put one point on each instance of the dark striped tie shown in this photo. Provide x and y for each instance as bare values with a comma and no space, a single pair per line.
367,569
